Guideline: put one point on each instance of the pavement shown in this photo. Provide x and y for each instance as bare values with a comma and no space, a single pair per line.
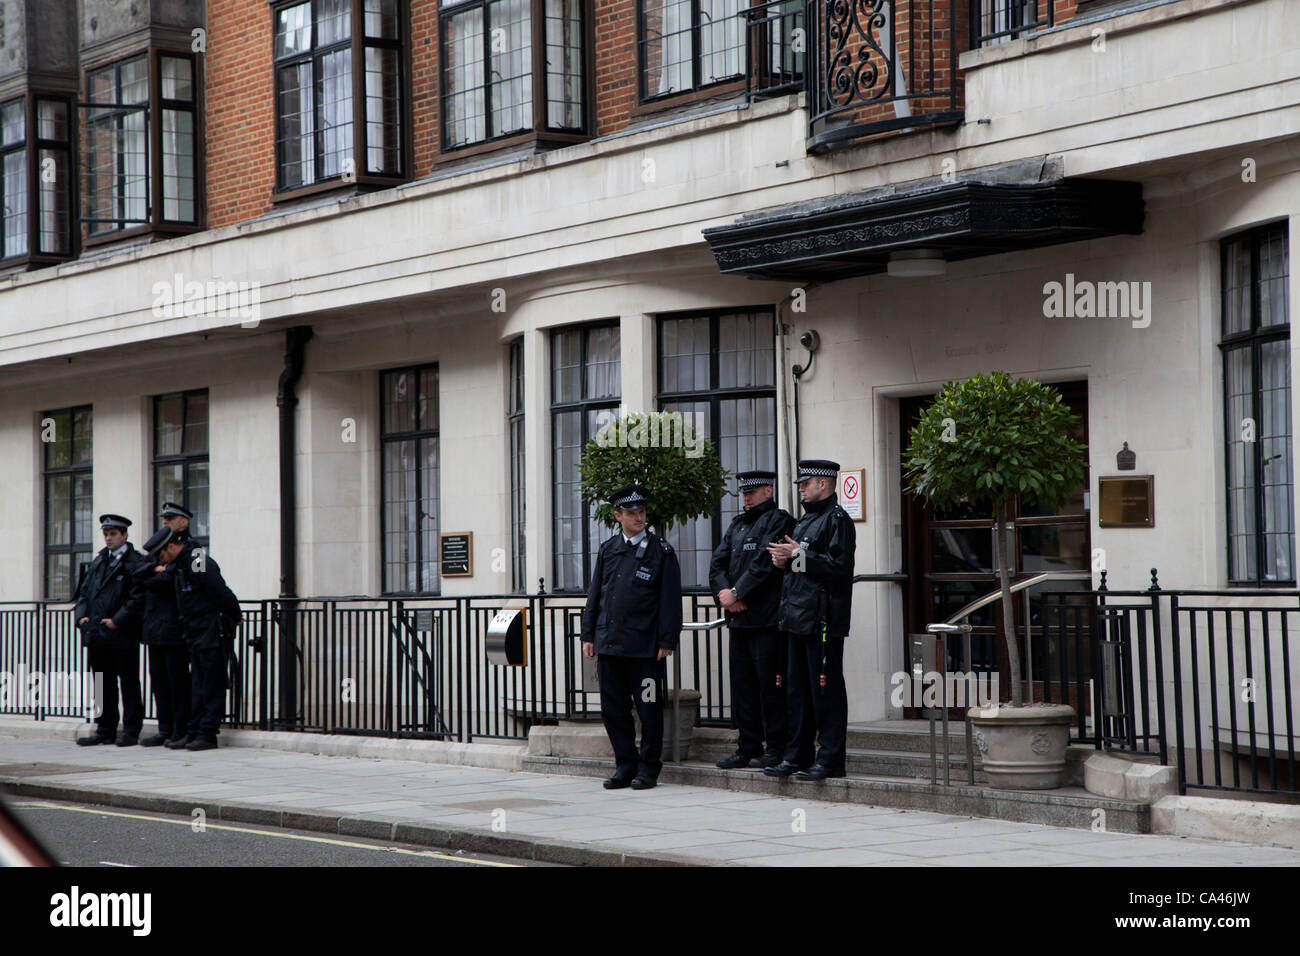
562,819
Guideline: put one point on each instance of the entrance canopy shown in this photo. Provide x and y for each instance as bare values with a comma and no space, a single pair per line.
854,235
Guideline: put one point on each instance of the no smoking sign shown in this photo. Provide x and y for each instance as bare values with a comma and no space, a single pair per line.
851,487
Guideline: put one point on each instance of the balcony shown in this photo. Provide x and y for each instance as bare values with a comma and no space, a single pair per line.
869,66
997,21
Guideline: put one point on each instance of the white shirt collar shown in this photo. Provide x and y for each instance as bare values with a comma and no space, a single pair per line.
636,540
119,552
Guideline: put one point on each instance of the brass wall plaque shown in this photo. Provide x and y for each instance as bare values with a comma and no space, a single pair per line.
1127,502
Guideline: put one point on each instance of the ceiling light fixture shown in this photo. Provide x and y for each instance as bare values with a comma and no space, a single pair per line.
917,262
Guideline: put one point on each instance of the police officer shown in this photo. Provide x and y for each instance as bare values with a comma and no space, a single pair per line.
202,599
108,614
815,601
748,587
177,517
632,622
169,659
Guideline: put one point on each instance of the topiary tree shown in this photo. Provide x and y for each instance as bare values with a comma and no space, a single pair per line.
988,438
662,451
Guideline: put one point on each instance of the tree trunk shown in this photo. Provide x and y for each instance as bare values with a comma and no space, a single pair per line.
1008,617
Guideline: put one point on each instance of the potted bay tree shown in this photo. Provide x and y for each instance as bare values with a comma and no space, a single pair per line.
981,442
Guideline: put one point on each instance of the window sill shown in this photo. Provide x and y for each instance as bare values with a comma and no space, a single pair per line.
688,98
29,262
165,230
543,140
362,183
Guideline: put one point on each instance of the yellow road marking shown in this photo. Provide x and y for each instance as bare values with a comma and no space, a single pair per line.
282,836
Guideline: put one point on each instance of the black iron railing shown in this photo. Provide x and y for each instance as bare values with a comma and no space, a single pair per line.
383,667
997,21
777,47
1232,669
1202,678
1097,651
880,65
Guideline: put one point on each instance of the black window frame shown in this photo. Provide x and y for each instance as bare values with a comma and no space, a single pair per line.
715,394
36,147
357,43
155,219
539,131
582,406
1252,339
517,459
186,459
417,435
71,471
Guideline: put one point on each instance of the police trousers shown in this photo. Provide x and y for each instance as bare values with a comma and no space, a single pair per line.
758,658
818,701
169,675
207,690
627,682
119,665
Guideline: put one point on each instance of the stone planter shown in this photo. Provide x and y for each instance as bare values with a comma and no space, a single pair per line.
690,709
1023,748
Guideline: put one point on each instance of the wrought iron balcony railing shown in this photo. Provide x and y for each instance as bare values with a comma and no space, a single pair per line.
997,21
778,44
881,65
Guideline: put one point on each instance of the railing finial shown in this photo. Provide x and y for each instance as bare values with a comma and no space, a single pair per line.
541,585
1102,586
1155,585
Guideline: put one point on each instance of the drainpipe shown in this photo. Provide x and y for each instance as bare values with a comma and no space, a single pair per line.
295,342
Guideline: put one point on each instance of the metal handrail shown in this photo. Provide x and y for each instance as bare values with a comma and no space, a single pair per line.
677,683
952,626
992,596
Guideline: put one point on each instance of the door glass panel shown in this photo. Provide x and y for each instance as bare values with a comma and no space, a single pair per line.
964,511
1054,548
961,551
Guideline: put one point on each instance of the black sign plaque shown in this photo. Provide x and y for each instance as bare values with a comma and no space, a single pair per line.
457,553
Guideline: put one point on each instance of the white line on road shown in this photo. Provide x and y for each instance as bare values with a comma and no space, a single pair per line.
270,833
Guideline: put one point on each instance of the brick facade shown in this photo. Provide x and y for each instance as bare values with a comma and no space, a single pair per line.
239,87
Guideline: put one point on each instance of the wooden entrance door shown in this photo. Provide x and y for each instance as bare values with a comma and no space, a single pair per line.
949,558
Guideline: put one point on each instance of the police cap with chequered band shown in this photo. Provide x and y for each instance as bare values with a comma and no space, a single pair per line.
632,497
749,480
107,522
816,468
171,509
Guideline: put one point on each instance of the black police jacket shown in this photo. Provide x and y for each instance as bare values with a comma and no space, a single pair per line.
823,589
202,598
108,590
634,600
161,622
741,561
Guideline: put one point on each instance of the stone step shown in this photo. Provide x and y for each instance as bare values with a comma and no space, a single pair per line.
1066,807
909,764
721,741
903,738
710,744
